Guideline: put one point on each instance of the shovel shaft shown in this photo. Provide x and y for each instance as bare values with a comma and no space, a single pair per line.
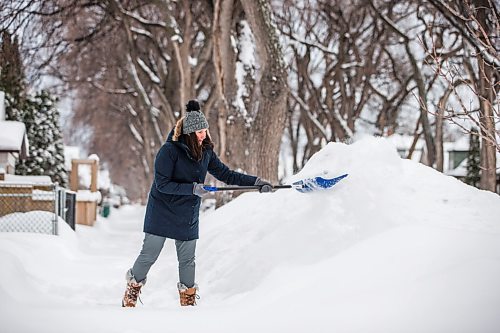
303,186
242,188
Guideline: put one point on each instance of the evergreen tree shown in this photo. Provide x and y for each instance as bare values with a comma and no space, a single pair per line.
46,148
38,113
473,160
11,76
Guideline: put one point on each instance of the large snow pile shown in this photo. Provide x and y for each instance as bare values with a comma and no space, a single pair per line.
394,247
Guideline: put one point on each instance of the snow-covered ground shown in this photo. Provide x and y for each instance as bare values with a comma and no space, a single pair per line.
394,247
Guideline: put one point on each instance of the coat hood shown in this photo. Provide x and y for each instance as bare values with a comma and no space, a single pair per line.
177,131
175,138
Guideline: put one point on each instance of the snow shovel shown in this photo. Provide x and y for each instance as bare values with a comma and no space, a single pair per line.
303,186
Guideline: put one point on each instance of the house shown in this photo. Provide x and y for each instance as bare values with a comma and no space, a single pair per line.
13,142
13,145
460,171
454,152
454,157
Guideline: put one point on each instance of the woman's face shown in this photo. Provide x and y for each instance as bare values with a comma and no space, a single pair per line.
201,135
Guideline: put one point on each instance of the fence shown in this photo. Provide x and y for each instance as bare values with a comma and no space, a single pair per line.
69,211
34,207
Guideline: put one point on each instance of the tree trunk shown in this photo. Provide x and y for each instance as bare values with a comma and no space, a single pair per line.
269,98
422,99
486,100
224,65
488,149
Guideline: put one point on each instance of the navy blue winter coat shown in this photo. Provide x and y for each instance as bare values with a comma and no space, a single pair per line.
172,210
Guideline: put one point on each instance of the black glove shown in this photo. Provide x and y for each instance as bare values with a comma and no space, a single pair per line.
265,186
199,190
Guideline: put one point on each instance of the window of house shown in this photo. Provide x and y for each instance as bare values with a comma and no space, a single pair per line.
456,157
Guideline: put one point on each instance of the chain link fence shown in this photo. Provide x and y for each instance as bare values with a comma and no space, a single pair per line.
33,207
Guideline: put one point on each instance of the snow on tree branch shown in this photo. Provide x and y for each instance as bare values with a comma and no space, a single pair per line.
139,18
135,133
148,71
142,32
138,83
245,66
131,110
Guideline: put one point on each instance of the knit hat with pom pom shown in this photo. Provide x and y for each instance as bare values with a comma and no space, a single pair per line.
194,120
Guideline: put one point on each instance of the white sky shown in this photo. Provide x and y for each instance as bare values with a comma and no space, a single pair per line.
394,247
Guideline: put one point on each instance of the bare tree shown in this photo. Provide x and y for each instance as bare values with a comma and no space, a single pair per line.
343,77
131,65
352,65
417,76
477,22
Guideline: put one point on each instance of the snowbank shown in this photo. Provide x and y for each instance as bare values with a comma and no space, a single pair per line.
382,191
394,247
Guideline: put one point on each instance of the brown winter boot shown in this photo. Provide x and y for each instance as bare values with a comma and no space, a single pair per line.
187,295
132,292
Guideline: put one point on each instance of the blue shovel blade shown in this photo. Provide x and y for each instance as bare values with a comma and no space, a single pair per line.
210,188
316,183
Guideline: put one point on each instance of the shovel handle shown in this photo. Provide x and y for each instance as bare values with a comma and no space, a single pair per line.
242,188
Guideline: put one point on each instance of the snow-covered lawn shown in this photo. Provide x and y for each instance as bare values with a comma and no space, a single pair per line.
395,247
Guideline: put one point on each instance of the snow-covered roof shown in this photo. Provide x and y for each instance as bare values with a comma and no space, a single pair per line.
15,179
461,144
405,141
13,137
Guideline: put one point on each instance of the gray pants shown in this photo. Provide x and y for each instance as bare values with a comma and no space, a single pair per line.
151,249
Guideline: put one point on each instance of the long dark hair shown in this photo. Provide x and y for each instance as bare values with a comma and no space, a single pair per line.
196,149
